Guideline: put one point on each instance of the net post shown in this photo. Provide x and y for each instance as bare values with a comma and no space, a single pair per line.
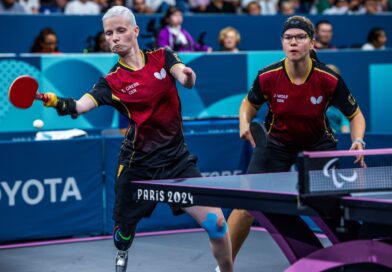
303,178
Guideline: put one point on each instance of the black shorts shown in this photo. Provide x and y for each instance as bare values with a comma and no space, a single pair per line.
279,158
129,211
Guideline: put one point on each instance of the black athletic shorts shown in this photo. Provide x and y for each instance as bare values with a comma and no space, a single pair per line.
279,158
129,211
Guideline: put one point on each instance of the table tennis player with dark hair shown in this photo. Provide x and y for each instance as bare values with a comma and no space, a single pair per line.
298,91
142,86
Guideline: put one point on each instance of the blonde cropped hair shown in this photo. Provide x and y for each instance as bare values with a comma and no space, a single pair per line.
120,11
224,31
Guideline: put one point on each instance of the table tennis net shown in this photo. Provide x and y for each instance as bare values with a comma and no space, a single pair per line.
334,172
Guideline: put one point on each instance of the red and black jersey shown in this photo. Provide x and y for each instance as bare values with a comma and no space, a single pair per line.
148,98
296,116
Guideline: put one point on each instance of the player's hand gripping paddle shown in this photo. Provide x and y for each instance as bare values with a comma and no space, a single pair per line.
259,135
23,92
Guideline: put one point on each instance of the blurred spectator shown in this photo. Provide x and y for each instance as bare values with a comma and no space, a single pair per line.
52,6
268,7
337,120
140,7
160,6
198,5
229,39
221,6
173,35
372,7
322,5
253,8
45,42
324,33
82,7
11,7
376,39
340,7
386,5
287,7
104,5
30,6
97,44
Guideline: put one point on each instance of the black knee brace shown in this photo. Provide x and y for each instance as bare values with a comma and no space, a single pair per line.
123,236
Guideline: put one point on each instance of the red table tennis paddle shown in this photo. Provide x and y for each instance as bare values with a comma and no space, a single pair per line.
23,91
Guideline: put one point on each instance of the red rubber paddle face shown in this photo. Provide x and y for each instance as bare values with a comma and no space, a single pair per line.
22,92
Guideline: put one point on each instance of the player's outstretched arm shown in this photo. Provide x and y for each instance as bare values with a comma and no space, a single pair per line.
69,106
185,75
246,114
358,126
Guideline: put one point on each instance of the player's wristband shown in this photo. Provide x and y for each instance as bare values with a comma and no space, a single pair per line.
360,141
66,106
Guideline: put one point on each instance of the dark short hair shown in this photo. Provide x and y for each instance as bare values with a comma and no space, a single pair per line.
321,22
374,33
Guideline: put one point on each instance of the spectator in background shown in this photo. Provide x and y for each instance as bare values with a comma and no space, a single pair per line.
30,6
45,42
140,7
253,8
337,120
268,7
376,39
355,7
160,6
324,33
198,6
97,44
287,7
229,39
52,6
104,5
11,7
174,36
340,7
372,7
322,5
82,7
221,6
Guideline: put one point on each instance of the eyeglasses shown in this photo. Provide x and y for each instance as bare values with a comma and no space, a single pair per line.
300,38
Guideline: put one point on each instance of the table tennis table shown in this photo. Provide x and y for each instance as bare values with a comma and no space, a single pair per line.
275,202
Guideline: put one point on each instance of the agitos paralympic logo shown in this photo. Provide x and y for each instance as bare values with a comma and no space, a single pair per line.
338,179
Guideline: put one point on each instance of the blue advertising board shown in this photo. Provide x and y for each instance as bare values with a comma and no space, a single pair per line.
50,189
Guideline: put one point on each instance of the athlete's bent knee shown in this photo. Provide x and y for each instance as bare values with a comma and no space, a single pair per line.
210,224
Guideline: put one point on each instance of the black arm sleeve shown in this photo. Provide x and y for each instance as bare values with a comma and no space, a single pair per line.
101,93
254,95
343,99
171,59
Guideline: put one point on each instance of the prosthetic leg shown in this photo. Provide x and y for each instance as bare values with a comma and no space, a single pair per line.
123,236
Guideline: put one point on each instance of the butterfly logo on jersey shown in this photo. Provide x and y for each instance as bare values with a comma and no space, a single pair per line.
316,101
160,75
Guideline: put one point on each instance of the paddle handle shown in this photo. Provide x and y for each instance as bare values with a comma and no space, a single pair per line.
41,96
